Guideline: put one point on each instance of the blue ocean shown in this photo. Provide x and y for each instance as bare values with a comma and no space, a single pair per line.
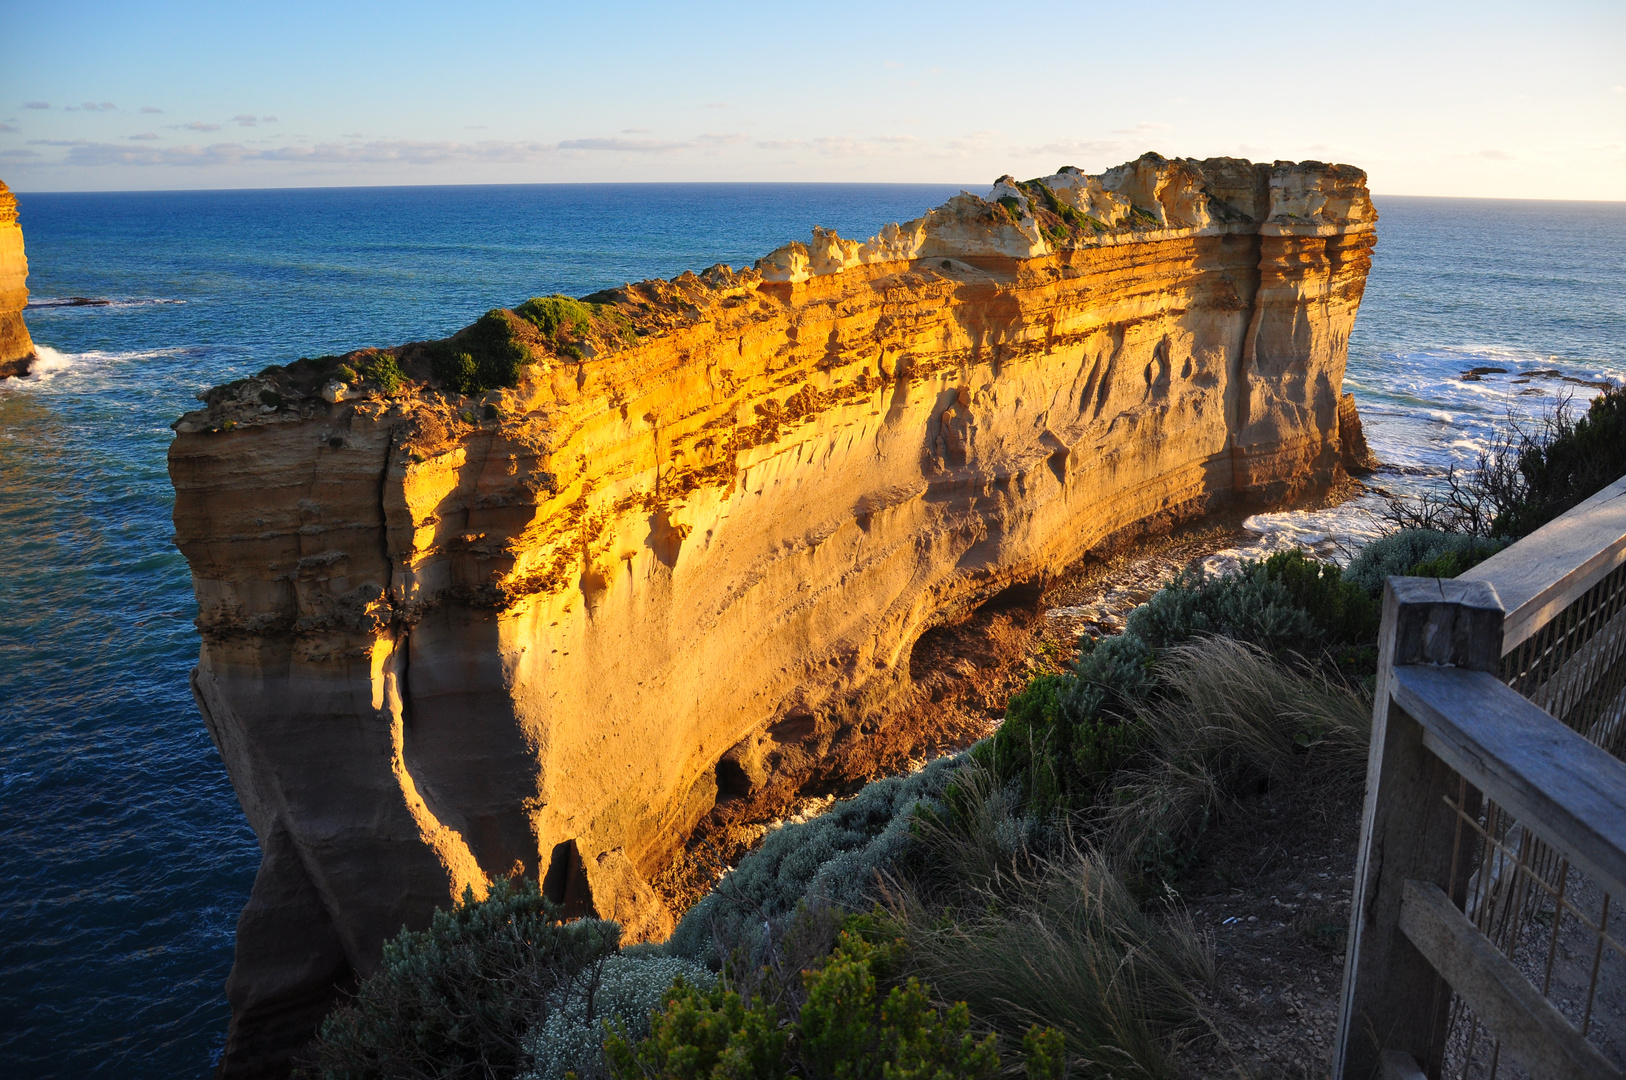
124,858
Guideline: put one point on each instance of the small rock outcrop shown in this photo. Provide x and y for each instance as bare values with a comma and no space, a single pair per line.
16,347
678,563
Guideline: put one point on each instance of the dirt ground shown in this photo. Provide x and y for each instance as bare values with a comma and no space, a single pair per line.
1272,894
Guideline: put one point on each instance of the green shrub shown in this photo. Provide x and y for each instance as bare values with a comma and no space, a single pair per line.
550,314
1013,208
631,986
699,1036
1287,603
456,370
485,356
1417,553
1045,1051
1451,564
835,857
1566,465
844,1030
1058,738
455,1000
385,370
984,841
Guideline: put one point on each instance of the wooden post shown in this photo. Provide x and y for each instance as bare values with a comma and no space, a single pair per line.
1392,997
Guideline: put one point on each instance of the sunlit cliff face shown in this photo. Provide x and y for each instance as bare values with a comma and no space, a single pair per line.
685,558
16,348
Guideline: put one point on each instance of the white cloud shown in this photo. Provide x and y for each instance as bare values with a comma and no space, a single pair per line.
151,109
197,125
88,154
36,104
145,135
19,153
862,145
635,146
9,127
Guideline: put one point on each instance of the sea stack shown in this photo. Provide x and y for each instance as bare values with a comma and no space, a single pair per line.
16,347
677,564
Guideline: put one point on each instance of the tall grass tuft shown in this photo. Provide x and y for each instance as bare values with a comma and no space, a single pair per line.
1062,943
1230,720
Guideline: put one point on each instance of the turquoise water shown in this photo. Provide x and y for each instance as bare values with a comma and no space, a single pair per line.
124,858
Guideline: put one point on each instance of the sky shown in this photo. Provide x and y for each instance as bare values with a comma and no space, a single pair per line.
1486,99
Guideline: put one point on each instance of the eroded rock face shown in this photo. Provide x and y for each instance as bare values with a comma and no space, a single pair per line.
16,347
548,628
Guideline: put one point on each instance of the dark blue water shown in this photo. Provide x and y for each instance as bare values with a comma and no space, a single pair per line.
124,858
123,855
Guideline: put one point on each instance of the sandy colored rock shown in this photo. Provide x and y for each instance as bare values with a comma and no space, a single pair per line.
16,347
554,626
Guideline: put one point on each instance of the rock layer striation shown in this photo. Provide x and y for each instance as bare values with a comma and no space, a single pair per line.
16,347
680,565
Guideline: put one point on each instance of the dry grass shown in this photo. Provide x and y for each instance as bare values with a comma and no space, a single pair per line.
1232,721
1056,940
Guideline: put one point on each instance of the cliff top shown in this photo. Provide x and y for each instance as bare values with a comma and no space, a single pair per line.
1150,199
8,205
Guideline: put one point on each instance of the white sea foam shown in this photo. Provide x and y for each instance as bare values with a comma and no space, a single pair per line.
1422,419
51,365
48,363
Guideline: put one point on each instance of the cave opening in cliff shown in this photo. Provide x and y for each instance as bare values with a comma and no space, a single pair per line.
565,883
732,782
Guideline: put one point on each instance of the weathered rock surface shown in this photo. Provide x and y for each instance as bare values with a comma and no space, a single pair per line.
16,347
684,560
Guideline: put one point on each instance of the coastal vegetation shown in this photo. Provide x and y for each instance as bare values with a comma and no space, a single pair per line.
385,370
486,356
1016,907
1532,473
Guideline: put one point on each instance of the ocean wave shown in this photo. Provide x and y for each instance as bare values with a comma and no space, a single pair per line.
51,363
97,302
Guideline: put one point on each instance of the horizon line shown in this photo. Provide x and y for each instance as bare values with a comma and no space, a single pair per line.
689,183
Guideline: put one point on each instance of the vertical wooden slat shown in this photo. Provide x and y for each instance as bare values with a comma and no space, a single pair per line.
1392,997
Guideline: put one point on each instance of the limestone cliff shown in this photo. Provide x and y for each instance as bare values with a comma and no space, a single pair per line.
682,561
16,347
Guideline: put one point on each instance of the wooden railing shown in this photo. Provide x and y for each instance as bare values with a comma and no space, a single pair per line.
1494,831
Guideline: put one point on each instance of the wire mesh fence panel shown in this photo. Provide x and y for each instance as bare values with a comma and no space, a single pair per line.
1562,931
1575,665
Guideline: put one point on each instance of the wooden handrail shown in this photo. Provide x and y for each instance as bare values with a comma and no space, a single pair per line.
1447,734
1572,793
1546,571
